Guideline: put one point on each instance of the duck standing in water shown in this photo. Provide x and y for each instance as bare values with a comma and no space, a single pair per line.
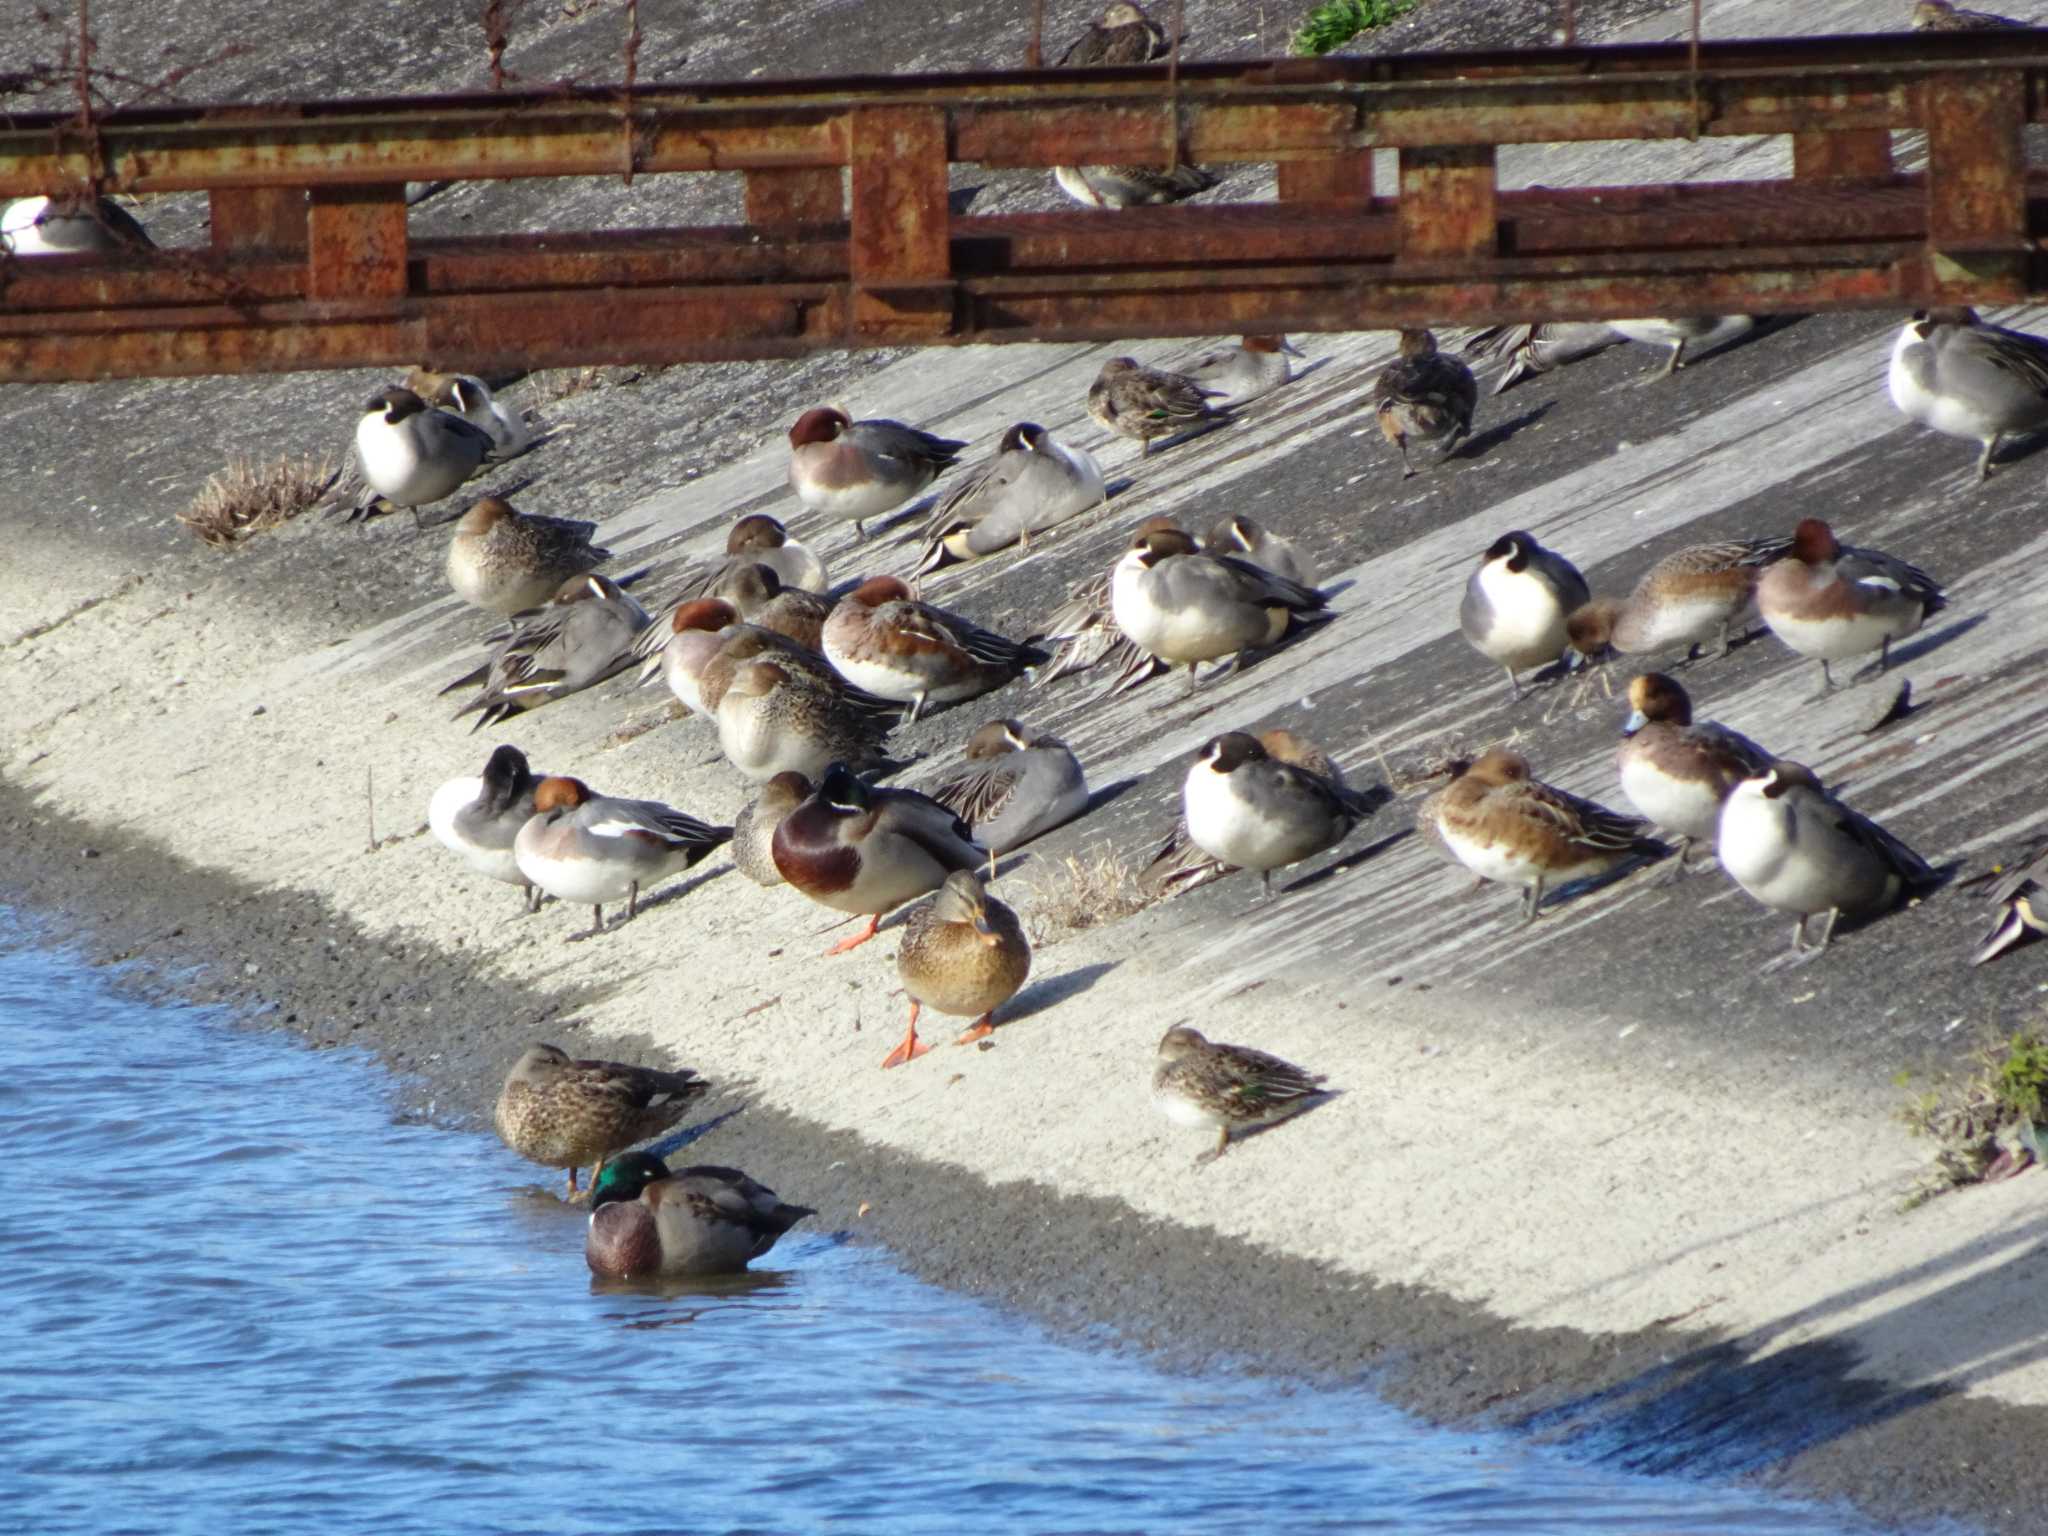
562,1113
649,1223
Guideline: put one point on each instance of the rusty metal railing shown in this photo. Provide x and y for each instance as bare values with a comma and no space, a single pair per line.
849,240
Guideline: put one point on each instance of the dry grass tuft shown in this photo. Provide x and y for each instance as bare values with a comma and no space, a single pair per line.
551,386
1984,1114
247,497
1086,890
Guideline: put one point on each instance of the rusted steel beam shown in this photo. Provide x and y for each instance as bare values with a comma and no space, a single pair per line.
1842,154
1345,178
792,197
1977,184
258,218
355,242
1446,208
900,242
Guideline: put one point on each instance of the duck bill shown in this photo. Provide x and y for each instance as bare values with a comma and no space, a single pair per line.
1635,722
988,934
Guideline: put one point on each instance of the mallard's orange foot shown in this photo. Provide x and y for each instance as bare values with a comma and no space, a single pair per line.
909,1048
855,942
981,1029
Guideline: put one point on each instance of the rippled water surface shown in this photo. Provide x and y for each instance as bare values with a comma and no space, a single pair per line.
240,1296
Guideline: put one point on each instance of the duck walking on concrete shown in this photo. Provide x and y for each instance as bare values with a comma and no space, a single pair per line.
1963,378
1134,401
1424,395
1227,1088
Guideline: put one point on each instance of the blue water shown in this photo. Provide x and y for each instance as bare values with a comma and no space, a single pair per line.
241,1294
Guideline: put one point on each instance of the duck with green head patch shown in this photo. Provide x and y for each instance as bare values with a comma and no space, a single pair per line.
648,1222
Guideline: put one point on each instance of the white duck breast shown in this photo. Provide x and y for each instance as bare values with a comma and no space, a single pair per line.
1683,807
457,832
1837,638
1911,382
1673,621
1502,861
1793,861
1182,1110
583,881
1187,608
1227,822
1525,622
748,735
420,459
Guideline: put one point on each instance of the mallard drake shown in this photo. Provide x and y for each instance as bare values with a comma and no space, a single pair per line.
646,1222
562,1113
753,830
865,850
882,639
1795,847
1424,394
479,817
1227,1087
855,470
1829,601
506,561
1143,403
964,953
1517,604
588,848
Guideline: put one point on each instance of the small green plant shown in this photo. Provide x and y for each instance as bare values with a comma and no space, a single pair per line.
1335,22
1981,1114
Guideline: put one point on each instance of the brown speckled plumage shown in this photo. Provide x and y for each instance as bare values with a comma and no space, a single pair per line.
1232,1087
562,1113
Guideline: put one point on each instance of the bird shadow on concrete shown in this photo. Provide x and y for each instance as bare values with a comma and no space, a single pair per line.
1188,435
682,1136
1921,644
1480,443
889,525
1115,790
682,888
1309,1106
1350,861
1051,991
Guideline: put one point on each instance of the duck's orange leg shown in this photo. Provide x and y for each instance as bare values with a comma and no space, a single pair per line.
980,1029
858,939
910,1047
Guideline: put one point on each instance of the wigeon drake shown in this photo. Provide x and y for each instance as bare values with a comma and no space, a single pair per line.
775,718
1226,1088
1016,783
1702,332
584,635
1424,395
1952,372
883,640
1033,483
1254,366
478,816
1182,865
753,830
1134,401
1692,596
678,652
1830,601
1517,604
1186,607
562,1113
1532,349
2022,900
1505,825
590,849
867,851
855,470
646,1222
1676,772
1795,847
964,954
412,454
506,561
1249,810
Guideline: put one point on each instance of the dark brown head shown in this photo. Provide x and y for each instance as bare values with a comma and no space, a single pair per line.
755,531
1025,435
1925,320
782,794
822,425
1417,344
578,589
1590,628
1782,777
396,403
484,515
748,587
706,613
1117,366
1160,544
559,794
1657,699
1813,542
998,738
756,680
1514,548
1159,522
1232,750
877,590
1497,765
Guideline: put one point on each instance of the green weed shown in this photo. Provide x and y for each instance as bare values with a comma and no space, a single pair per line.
1335,22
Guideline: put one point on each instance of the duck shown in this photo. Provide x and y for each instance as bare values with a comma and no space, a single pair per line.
1131,400
1253,367
1942,16
582,636
774,717
505,561
476,817
743,644
1227,1088
1695,595
1424,394
679,650
47,226
562,1113
1829,601
753,830
882,639
1539,348
583,847
467,396
964,954
856,470
1033,483
1703,332
1249,539
649,1223
1083,634
864,850
1180,864
1517,603
1506,825
1186,607
1796,848
1249,810
1017,784
1124,34
762,600
412,454
1675,772
2022,902
1955,374
760,539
